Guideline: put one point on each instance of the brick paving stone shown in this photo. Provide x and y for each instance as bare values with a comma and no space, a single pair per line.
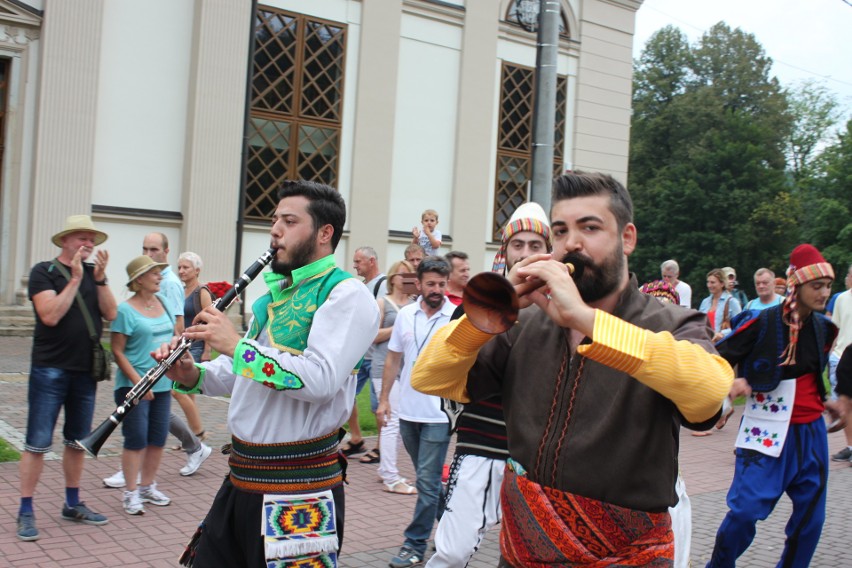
375,519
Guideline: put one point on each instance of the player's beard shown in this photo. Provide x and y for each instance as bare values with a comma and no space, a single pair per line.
298,256
595,281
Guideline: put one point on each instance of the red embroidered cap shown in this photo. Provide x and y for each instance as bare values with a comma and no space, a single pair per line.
806,264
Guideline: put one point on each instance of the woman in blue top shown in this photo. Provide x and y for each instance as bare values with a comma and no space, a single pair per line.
142,326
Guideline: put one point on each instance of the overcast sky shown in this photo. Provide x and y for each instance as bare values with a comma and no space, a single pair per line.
805,38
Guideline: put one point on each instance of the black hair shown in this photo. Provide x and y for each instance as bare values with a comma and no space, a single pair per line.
326,206
582,184
437,264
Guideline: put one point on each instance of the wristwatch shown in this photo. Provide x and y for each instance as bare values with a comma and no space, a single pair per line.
103,282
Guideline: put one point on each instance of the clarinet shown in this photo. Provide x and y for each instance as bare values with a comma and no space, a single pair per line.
93,442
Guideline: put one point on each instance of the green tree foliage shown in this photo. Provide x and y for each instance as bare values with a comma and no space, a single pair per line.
707,157
815,110
826,221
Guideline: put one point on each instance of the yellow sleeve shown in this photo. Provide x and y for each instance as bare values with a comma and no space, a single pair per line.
682,371
442,367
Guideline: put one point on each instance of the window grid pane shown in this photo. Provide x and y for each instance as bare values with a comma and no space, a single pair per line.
268,165
296,105
273,84
323,71
516,108
513,173
514,140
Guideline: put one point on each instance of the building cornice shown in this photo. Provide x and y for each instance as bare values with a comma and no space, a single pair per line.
441,11
19,14
627,4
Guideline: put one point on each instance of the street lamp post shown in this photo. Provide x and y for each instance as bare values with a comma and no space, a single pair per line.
546,14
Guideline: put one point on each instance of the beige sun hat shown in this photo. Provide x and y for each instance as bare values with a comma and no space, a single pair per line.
76,223
140,265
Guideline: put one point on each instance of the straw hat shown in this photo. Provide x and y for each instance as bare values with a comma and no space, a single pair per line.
76,223
139,266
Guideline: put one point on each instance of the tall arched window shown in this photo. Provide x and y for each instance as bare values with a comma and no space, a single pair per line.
296,105
514,140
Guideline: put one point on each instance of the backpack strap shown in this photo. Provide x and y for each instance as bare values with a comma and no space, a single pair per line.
376,287
90,325
165,309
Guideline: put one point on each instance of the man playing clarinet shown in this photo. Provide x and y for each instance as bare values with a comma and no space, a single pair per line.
292,384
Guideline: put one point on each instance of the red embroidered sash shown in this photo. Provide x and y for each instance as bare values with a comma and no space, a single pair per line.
547,527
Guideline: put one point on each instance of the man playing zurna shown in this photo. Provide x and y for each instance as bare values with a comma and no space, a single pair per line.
596,369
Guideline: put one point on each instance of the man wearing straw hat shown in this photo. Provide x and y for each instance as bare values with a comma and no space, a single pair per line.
61,370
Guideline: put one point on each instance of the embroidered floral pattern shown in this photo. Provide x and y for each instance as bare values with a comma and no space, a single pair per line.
768,403
766,419
763,437
251,363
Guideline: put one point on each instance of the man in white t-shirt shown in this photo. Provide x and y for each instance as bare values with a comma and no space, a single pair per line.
422,424
670,272
764,285
842,318
365,261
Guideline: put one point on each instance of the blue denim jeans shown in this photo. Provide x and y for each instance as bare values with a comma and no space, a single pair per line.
49,390
363,377
148,423
427,445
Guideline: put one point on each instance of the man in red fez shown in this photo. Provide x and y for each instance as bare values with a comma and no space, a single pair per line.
782,446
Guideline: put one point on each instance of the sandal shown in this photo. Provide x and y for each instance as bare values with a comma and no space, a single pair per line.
350,448
373,456
724,419
401,487
702,434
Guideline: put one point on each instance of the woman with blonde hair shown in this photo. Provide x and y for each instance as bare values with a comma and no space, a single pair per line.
389,306
142,326
720,306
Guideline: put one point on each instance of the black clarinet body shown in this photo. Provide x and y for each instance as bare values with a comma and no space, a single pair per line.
93,442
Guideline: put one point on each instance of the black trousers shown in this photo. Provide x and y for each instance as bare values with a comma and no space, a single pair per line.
231,535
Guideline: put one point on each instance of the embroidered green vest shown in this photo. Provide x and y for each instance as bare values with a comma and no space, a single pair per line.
287,316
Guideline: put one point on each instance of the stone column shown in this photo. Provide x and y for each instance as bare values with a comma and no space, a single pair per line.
472,188
214,133
372,154
67,111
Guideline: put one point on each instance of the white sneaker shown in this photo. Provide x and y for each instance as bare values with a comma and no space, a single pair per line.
117,480
151,495
195,459
133,503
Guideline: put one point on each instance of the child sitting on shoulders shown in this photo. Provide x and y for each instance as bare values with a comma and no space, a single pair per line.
430,237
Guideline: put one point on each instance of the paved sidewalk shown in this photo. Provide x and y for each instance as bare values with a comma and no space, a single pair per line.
374,521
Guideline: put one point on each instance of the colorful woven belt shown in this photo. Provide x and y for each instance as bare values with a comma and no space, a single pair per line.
292,467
